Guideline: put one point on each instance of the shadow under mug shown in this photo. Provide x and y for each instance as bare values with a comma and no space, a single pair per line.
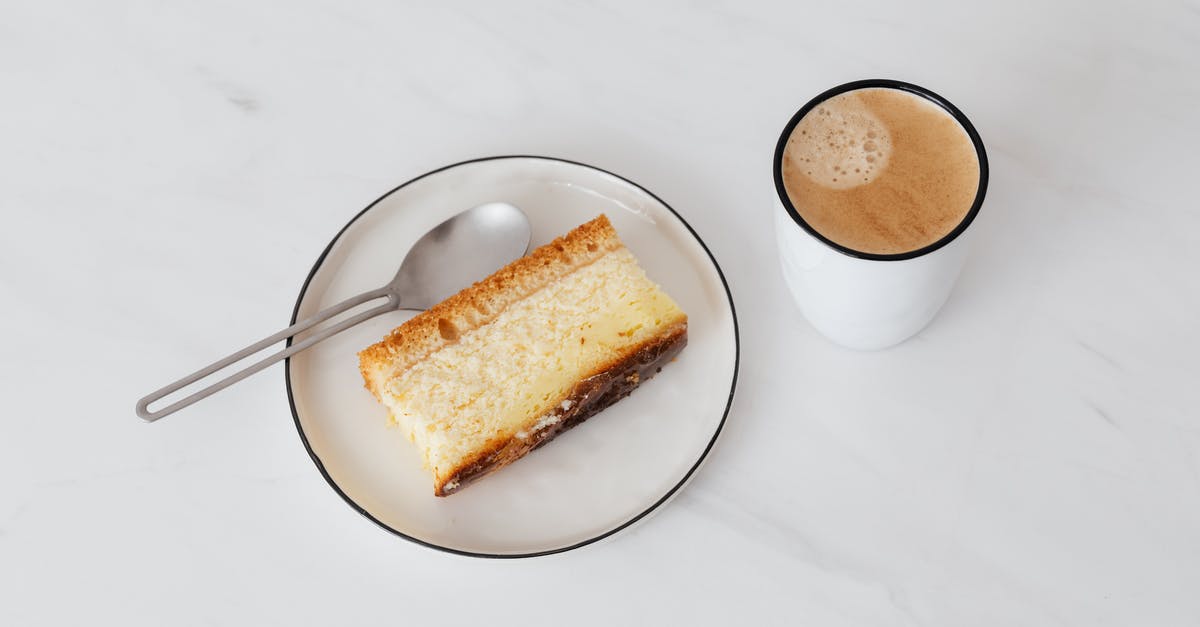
863,300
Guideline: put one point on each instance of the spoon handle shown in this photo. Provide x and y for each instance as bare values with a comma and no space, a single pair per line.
143,405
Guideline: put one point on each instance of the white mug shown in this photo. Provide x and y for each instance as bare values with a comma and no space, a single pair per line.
863,300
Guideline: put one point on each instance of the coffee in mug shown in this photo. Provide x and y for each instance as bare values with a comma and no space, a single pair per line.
880,170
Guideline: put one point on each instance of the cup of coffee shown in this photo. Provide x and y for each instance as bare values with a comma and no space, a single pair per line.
877,183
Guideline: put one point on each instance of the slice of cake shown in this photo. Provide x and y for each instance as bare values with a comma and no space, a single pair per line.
543,344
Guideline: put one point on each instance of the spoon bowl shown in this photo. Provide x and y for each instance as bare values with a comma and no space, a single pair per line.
458,252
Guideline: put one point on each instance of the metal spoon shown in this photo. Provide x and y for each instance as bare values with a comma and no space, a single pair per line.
455,253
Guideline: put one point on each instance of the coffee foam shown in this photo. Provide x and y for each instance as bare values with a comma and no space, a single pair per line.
841,145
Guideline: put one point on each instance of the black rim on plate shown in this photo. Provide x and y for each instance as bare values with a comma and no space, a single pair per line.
781,146
287,371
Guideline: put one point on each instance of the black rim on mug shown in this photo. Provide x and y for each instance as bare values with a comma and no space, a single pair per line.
777,166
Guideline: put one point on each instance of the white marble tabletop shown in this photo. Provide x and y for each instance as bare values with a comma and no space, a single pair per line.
170,172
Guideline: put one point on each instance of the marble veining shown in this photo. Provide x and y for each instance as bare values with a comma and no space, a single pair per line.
1030,458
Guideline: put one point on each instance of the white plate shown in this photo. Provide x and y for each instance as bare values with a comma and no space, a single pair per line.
591,481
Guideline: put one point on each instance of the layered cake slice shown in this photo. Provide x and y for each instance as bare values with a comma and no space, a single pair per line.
543,344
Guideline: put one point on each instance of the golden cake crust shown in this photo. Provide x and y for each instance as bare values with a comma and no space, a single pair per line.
482,302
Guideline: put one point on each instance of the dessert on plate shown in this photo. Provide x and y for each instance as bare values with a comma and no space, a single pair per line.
505,365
